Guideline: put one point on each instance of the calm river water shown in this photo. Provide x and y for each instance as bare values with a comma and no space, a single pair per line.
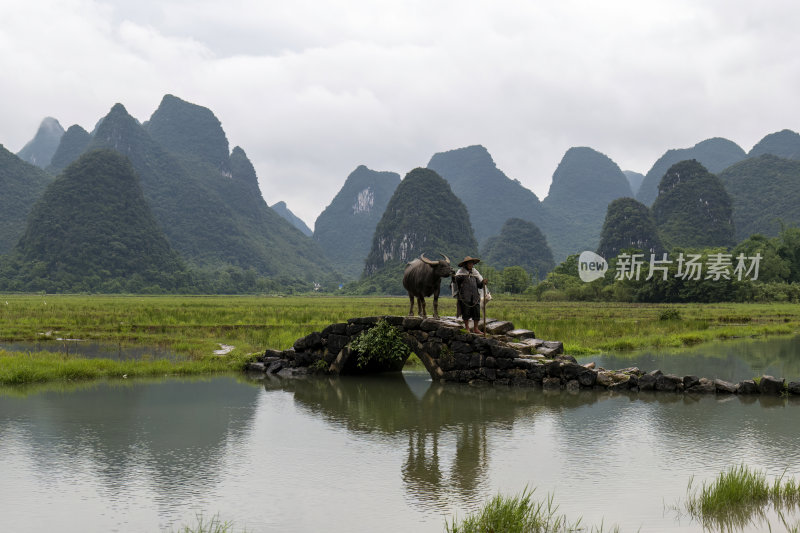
391,453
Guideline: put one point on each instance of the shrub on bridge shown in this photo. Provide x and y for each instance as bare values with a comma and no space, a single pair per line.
382,343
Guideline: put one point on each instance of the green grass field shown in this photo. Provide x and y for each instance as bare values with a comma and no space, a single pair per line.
194,326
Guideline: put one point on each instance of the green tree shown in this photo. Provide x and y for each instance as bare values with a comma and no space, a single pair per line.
515,279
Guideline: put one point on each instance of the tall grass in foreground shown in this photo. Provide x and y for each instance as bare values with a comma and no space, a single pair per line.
518,514
739,497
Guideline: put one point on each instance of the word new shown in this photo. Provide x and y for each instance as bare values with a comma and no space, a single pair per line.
690,267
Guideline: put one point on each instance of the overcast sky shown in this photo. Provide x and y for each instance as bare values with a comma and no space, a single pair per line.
312,89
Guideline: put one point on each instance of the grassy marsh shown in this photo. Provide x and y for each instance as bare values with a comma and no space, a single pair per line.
194,326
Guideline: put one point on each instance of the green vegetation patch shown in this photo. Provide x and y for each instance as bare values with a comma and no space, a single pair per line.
517,514
382,343
740,496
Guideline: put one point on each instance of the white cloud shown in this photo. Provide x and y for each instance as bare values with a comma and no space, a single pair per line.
312,89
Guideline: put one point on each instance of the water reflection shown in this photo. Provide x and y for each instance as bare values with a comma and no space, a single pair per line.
396,453
165,438
732,360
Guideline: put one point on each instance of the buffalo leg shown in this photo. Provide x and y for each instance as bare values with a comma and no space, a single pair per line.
411,308
421,302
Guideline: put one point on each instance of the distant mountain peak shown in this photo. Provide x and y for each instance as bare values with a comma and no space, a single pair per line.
190,130
784,143
344,229
715,154
294,220
39,150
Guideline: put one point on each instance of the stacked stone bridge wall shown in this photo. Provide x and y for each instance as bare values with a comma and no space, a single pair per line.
507,356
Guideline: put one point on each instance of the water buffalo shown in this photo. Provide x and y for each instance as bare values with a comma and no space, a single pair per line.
422,278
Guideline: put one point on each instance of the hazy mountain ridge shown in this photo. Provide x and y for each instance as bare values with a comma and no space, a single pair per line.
182,183
22,184
423,216
39,150
765,193
283,210
73,143
490,196
346,227
714,154
92,230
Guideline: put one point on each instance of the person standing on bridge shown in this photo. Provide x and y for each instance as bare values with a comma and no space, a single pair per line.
468,282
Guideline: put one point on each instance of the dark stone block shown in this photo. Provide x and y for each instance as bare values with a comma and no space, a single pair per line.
451,375
355,329
412,322
771,385
668,382
274,367
647,382
703,386
551,384
467,375
272,353
475,360
624,384
537,373
794,387
396,321
256,367
571,370
502,352
723,386
489,373
553,369
461,347
445,333
573,385
462,359
490,362
420,335
337,342
690,381
433,348
587,378
558,346
748,386
430,324
521,334
499,327
504,363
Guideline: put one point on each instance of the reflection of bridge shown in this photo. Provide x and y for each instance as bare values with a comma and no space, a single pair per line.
508,356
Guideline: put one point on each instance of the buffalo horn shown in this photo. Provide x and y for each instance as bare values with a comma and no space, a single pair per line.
445,257
428,261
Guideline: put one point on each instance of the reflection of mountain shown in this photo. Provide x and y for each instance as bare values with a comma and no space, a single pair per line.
173,432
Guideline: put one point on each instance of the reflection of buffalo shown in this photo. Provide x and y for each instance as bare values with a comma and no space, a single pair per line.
423,277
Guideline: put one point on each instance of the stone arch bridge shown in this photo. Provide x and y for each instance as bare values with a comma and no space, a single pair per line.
508,356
